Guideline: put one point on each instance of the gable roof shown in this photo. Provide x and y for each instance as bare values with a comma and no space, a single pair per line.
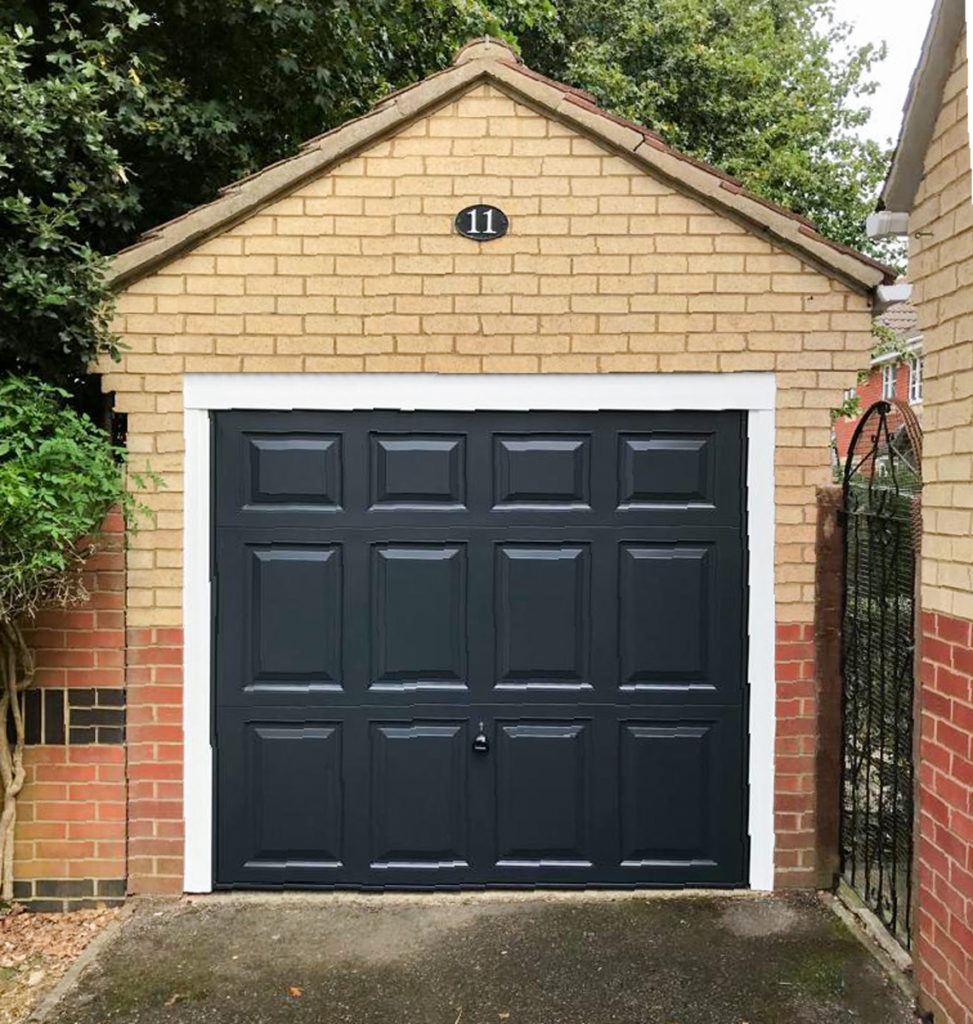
490,60
922,106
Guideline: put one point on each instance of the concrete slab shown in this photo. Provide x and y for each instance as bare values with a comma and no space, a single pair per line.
484,959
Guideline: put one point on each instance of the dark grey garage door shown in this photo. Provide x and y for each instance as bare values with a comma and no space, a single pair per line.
460,649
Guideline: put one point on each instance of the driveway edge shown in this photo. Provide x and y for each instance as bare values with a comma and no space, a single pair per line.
70,978
892,967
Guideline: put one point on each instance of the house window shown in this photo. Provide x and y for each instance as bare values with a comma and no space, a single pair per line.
888,380
915,381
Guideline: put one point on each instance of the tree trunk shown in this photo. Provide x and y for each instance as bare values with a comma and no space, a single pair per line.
16,674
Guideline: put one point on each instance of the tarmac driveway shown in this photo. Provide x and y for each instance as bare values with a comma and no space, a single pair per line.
483,959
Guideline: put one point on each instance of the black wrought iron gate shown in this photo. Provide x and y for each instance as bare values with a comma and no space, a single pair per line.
881,495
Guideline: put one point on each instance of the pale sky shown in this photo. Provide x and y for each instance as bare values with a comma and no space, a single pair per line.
902,25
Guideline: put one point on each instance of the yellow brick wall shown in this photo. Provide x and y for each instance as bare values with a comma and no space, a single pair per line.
941,265
604,269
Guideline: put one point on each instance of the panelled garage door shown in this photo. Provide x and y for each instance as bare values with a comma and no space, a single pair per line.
461,649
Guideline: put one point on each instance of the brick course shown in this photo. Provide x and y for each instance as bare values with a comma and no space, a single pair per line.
796,747
155,759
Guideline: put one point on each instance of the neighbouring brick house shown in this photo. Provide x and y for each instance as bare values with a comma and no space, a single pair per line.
622,419
889,375
928,196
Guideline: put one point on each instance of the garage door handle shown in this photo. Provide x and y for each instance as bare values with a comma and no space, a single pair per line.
480,742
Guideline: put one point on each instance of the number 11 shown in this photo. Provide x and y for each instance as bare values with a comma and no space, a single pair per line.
488,230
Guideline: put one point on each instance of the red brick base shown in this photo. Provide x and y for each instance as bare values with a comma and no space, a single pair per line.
944,939
794,796
71,828
96,810
155,760
87,795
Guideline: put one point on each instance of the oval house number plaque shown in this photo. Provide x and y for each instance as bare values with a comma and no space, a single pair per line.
481,222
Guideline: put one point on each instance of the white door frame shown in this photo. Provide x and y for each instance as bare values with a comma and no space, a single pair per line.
752,393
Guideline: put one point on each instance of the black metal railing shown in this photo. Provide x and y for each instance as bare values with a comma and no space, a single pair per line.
881,530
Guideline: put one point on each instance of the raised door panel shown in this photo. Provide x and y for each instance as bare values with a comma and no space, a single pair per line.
293,781
413,470
293,617
543,794
543,616
662,468
284,470
419,803
666,615
551,471
666,791
418,616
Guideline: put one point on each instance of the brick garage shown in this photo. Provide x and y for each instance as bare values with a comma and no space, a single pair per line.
623,258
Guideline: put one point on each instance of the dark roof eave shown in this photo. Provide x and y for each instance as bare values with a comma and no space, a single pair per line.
922,105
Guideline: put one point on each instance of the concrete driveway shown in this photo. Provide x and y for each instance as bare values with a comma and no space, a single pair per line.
483,959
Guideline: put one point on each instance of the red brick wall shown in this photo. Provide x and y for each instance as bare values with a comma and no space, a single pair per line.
944,942
95,814
155,760
796,744
71,831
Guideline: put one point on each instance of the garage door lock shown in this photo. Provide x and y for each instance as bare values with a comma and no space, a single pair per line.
480,742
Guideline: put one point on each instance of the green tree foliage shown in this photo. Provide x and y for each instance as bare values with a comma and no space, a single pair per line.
119,114
59,476
206,91
768,90
60,179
